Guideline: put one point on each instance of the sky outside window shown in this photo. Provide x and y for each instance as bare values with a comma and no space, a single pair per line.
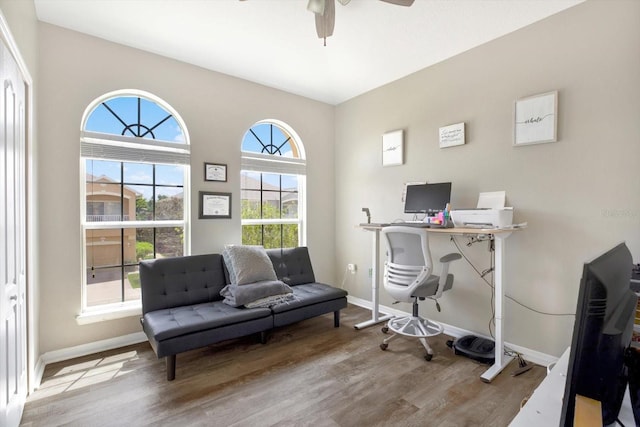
125,120
268,139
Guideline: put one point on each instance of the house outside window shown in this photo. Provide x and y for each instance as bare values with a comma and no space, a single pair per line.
135,199
273,183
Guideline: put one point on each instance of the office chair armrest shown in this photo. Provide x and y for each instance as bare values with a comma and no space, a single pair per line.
444,272
450,257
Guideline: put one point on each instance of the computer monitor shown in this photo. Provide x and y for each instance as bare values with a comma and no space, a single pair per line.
601,333
427,198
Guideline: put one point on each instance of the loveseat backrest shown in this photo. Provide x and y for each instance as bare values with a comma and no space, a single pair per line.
180,281
292,265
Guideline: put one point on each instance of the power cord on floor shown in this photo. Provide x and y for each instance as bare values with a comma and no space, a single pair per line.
523,366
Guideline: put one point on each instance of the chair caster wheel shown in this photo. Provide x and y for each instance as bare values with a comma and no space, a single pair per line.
428,357
384,346
385,330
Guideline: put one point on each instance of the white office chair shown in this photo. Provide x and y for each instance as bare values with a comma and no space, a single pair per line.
408,278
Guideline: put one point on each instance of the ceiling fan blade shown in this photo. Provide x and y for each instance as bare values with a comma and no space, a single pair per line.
325,22
400,2
316,6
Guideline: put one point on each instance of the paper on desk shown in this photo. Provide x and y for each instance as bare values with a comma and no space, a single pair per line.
492,200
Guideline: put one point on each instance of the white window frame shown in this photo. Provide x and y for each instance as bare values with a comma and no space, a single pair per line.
272,164
109,147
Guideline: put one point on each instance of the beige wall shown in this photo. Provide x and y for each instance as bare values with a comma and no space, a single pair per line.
580,195
217,110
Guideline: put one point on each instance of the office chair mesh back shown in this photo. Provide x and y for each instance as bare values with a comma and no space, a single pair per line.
409,249
408,263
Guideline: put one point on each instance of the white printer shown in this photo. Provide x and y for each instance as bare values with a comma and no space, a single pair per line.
482,217
489,213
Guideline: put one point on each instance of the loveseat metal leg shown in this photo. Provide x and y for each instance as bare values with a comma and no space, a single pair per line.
263,337
336,319
171,367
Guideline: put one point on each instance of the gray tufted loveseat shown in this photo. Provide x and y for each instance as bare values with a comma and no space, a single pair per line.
182,308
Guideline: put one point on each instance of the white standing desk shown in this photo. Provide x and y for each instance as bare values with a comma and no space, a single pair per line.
498,236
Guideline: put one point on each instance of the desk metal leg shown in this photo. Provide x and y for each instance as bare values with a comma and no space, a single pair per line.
501,360
375,262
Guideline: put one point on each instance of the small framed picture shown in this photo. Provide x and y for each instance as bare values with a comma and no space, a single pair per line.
215,172
214,205
392,148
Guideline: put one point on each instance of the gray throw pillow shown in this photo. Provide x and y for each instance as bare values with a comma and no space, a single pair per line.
248,264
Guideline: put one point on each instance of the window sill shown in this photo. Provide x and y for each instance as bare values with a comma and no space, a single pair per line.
104,314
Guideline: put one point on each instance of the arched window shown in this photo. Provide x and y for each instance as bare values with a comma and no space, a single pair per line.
135,199
273,186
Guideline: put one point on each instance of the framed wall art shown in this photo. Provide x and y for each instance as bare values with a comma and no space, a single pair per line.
215,172
214,205
392,148
452,135
536,119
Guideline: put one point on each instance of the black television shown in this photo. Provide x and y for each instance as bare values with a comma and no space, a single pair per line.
427,198
601,334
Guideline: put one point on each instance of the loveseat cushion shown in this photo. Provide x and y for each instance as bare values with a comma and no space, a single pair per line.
177,321
309,294
181,281
292,265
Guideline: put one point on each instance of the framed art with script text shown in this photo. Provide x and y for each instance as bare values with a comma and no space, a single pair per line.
536,119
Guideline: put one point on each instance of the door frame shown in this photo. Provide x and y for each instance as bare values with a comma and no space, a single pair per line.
7,38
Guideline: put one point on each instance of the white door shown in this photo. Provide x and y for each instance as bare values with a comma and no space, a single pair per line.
13,327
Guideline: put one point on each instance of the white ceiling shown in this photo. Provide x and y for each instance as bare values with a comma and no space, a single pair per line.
273,42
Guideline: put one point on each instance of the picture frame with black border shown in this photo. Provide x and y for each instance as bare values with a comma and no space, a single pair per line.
215,172
214,205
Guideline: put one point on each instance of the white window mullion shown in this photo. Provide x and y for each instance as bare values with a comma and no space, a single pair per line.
270,221
99,225
272,164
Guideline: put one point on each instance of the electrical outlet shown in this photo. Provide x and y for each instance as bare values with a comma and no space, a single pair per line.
352,268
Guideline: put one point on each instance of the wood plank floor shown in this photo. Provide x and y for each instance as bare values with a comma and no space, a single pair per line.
308,374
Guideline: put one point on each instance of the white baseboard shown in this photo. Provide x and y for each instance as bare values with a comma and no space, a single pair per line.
37,373
93,347
84,350
529,354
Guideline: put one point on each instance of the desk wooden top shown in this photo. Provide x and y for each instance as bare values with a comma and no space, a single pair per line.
454,230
